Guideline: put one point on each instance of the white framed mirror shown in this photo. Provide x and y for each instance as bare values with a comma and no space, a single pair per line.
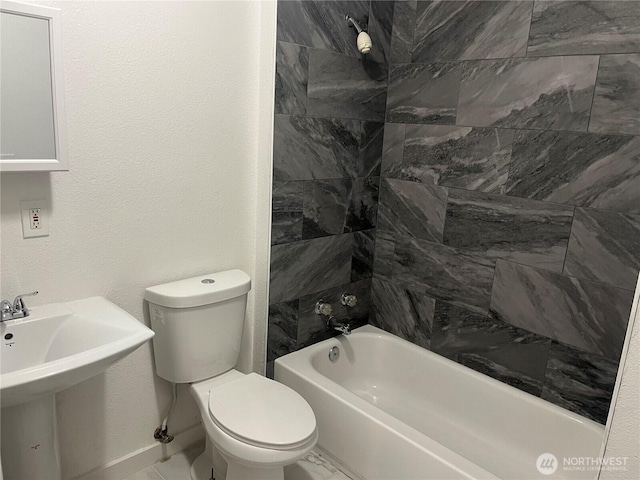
32,118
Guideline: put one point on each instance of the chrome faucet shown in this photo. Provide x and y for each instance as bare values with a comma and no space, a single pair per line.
325,309
17,309
335,324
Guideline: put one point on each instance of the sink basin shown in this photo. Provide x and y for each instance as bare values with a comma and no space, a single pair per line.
60,345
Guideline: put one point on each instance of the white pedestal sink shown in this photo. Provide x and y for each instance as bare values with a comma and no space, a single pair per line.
57,346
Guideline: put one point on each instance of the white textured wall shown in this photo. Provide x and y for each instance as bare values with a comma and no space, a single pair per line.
624,434
169,143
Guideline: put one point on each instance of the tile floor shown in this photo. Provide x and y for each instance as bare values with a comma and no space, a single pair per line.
311,467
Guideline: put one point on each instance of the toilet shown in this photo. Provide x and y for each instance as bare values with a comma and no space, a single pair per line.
256,425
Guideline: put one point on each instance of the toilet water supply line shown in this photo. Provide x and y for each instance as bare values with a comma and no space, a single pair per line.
161,433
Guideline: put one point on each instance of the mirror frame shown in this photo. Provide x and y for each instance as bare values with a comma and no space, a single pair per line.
61,160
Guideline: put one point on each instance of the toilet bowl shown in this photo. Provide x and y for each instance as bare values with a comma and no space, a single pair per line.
254,425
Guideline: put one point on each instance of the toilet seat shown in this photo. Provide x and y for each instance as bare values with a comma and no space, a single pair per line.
259,412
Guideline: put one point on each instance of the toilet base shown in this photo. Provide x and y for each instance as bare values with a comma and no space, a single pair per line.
211,465
202,468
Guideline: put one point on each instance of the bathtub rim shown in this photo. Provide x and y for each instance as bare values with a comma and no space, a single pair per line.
309,351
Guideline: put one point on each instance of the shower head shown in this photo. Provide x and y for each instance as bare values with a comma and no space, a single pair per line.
364,40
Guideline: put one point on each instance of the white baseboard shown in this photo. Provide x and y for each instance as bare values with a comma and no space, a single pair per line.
146,456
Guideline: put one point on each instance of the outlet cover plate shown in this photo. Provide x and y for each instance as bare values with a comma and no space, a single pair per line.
27,231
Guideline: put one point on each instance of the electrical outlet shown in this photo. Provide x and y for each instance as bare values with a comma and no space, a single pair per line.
34,218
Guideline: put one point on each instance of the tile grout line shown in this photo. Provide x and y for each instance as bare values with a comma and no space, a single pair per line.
566,252
382,152
501,127
526,50
593,95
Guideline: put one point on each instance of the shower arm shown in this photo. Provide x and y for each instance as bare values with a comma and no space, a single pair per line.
355,24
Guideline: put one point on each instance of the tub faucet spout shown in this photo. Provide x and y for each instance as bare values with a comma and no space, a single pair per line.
335,324
325,309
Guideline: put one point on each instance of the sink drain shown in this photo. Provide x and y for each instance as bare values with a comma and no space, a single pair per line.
334,354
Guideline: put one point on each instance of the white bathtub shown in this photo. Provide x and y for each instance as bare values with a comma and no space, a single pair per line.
388,409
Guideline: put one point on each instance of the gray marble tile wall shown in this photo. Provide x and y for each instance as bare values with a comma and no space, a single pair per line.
475,180
330,105
508,223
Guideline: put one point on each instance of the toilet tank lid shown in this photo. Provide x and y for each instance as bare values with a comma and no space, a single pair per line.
200,290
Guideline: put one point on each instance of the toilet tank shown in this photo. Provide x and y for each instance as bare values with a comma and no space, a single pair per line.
198,324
